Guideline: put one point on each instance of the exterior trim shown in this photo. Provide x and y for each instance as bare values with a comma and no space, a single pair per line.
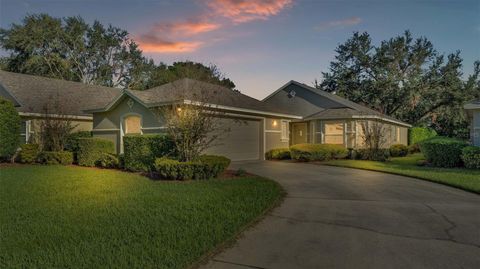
471,106
245,110
75,117
273,131
154,128
383,119
106,130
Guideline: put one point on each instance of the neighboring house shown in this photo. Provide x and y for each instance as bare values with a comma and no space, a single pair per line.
36,97
473,113
255,126
330,119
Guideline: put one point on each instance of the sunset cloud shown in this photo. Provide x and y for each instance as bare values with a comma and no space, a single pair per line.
184,28
170,37
152,43
338,24
240,11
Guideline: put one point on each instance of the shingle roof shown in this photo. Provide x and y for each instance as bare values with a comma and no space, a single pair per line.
475,104
33,93
194,90
350,109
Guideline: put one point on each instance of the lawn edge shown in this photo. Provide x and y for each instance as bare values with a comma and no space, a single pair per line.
207,257
400,174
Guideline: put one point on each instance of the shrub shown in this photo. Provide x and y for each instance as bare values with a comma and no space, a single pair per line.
419,134
71,143
278,154
443,151
317,152
140,151
379,155
107,160
398,150
29,153
415,148
214,165
9,129
208,166
91,149
55,157
471,157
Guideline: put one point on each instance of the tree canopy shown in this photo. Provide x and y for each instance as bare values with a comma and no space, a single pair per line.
406,78
71,49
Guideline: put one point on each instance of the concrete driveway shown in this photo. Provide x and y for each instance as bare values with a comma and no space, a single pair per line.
345,218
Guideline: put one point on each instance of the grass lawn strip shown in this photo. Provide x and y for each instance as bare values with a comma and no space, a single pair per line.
466,179
57,216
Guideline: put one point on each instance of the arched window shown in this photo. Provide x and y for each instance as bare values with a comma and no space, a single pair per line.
132,124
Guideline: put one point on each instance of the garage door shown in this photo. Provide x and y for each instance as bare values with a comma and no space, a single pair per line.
241,143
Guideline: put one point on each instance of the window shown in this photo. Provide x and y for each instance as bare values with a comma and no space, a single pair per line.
284,126
397,134
333,133
133,125
25,131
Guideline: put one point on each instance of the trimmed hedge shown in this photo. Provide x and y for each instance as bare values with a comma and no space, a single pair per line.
71,144
419,134
140,151
55,157
278,154
90,150
29,153
471,157
398,150
107,160
208,166
9,129
317,152
443,151
379,155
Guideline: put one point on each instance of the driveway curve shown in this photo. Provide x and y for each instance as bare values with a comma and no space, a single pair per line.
336,217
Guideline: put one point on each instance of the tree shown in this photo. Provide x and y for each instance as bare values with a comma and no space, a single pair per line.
156,75
71,49
374,138
405,78
9,129
194,127
55,131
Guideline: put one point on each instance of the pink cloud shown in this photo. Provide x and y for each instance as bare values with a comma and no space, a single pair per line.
151,43
185,28
240,11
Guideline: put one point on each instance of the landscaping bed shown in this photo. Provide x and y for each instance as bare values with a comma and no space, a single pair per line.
75,217
466,179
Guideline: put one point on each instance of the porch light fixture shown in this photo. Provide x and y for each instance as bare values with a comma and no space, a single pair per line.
274,123
179,109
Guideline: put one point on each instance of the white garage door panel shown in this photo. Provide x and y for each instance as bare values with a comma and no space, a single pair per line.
241,143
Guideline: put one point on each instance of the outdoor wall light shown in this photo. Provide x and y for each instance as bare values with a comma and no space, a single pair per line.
179,109
274,123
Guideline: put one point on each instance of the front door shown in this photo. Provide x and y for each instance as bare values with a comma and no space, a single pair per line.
299,133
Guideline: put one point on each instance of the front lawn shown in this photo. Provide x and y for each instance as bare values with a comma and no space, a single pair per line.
73,217
466,179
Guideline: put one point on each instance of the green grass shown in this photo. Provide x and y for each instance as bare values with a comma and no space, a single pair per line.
73,217
467,179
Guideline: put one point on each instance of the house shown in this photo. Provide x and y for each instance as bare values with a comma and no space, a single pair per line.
255,126
293,114
473,113
38,97
330,119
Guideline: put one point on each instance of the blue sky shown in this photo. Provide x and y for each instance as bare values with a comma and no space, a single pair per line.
261,45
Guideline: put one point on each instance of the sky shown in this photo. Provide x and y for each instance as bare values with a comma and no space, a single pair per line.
263,44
